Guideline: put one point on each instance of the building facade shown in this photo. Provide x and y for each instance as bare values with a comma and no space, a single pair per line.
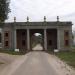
17,35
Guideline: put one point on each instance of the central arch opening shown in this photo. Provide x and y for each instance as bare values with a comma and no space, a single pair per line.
37,41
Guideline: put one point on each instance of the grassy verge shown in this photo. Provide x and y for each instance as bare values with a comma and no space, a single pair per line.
1,63
69,57
12,52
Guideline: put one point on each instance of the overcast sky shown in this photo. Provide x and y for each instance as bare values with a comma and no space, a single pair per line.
37,9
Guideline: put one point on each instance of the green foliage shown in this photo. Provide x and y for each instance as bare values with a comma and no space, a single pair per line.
4,9
69,57
12,52
1,63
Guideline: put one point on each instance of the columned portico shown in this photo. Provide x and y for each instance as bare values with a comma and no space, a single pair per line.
45,39
18,35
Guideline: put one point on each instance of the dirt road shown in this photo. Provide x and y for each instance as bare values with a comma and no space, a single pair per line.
38,47
37,63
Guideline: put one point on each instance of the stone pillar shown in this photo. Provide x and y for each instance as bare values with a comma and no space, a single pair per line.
45,39
15,39
2,38
70,38
28,39
60,39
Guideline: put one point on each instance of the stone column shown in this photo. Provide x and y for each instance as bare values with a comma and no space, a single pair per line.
58,39
2,38
45,39
15,39
28,39
70,38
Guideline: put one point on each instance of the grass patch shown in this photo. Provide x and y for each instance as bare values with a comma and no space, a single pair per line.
69,57
1,63
12,52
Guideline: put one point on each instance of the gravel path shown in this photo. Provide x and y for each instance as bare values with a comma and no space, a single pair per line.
6,60
37,63
38,47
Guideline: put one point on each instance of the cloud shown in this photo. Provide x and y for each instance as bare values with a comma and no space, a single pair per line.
36,9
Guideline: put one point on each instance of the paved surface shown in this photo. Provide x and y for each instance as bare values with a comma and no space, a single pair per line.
36,64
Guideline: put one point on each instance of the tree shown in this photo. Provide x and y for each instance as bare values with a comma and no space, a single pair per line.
4,9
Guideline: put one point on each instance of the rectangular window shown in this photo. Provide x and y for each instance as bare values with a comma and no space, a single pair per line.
23,33
6,34
23,42
50,42
66,42
6,43
66,33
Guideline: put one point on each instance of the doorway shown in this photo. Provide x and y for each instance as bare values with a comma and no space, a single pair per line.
37,40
